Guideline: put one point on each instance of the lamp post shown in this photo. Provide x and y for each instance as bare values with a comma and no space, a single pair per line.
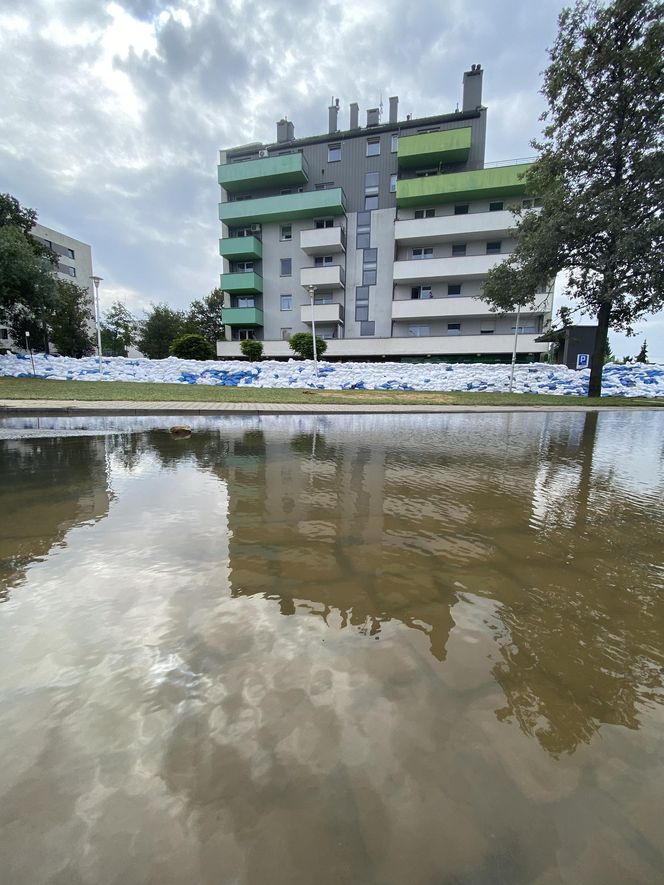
312,291
97,281
516,336
29,349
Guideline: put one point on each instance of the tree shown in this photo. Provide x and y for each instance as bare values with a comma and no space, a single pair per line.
642,356
204,317
599,173
69,320
192,347
118,329
252,349
27,287
302,343
609,356
160,328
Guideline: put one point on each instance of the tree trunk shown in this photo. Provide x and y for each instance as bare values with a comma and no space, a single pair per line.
597,359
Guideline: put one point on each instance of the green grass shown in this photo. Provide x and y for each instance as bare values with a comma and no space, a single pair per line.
110,391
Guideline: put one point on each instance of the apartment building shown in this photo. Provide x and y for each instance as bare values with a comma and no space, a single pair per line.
379,236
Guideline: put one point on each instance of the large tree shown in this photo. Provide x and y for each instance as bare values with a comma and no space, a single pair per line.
204,317
118,329
158,331
599,173
69,320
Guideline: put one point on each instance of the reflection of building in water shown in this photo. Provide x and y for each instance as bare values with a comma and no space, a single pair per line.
50,485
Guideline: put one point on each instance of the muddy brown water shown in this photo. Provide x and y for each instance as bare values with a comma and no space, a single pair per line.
409,650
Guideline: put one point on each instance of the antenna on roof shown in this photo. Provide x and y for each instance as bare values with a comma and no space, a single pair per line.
380,105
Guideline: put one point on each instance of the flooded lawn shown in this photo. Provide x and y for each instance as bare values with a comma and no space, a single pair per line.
300,651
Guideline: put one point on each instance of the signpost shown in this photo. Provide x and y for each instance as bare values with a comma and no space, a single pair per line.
582,360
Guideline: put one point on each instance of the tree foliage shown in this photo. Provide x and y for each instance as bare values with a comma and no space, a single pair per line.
302,343
642,356
118,329
204,317
69,319
252,349
158,331
192,347
599,172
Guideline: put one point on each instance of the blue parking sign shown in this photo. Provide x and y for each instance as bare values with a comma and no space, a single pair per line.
582,360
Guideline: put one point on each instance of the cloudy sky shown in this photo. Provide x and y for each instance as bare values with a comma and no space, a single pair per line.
113,113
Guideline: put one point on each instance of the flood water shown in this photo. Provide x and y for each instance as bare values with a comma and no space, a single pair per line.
393,650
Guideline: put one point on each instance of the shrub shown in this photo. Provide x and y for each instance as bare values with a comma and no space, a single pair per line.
302,343
252,349
192,347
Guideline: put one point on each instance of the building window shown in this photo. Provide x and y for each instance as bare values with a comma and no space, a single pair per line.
370,258
325,186
334,152
323,260
324,298
487,327
286,302
4,334
393,183
285,334
373,147
497,206
363,230
421,293
244,301
320,223
243,334
286,232
70,254
531,329
66,269
286,267
362,241
394,143
368,277
425,213
241,232
371,181
454,289
493,248
419,331
242,266
454,328
361,313
367,327
371,202
461,209
424,252
458,250
527,204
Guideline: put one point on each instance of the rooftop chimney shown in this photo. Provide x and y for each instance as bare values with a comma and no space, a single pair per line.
333,112
354,115
282,130
472,88
373,117
394,108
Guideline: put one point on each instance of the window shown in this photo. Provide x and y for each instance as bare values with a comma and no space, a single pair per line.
454,289
373,147
324,298
394,143
527,204
242,266
286,267
323,260
368,277
4,334
70,254
325,186
243,334
244,301
419,331
393,183
362,241
285,334
363,230
286,302
371,202
370,258
424,252
454,328
493,248
286,232
461,210
530,329
362,304
368,328
458,250
420,293
487,327
425,213
361,313
498,206
66,269
241,232
334,152
371,181
320,223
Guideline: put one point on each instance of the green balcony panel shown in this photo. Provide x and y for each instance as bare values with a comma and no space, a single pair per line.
242,283
480,184
242,316
240,248
286,207
431,148
263,174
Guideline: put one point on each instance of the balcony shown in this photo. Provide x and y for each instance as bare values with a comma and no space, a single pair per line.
322,313
263,174
242,316
429,269
432,148
323,241
285,207
330,276
479,184
241,283
434,308
474,226
241,248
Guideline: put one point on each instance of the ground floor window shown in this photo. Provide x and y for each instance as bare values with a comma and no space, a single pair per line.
419,331
454,328
243,334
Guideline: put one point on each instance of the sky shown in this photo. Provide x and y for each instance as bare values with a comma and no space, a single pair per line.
113,113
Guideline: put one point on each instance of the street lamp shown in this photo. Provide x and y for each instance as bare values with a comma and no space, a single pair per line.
97,281
312,290
29,349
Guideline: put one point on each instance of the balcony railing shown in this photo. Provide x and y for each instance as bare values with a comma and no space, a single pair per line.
242,316
461,228
428,149
264,173
241,248
322,313
478,184
327,276
284,207
323,240
457,268
247,283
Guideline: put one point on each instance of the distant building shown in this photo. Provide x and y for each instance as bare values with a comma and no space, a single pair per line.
393,226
